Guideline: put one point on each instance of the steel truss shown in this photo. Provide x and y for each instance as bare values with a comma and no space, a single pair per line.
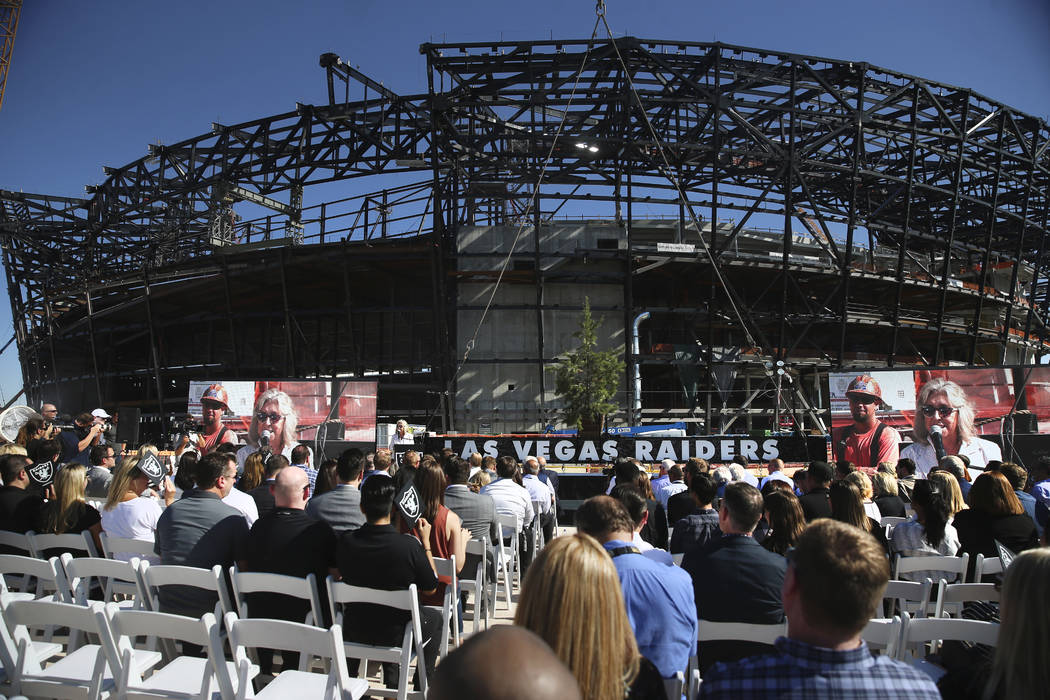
924,208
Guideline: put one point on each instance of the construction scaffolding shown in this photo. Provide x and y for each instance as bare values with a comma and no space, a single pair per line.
776,216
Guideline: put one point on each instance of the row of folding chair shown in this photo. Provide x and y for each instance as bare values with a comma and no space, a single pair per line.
36,545
79,570
117,667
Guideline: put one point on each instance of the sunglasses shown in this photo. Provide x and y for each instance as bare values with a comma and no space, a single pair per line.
942,411
268,417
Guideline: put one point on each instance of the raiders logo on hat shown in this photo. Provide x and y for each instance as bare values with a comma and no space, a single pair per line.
408,505
152,468
41,474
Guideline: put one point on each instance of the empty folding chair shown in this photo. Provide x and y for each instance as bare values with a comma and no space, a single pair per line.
154,578
340,594
127,549
952,569
477,552
310,641
111,579
446,571
183,677
537,529
919,631
951,596
38,577
37,651
245,583
15,543
883,634
83,672
44,546
911,597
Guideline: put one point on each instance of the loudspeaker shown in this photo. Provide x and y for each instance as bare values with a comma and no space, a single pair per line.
128,426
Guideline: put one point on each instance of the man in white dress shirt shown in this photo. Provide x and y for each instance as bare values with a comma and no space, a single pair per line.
541,493
512,499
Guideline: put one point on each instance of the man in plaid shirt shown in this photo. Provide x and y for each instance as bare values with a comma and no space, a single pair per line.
835,579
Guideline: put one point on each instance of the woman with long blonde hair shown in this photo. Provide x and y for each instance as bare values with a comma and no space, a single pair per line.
69,512
572,599
950,486
1020,671
127,513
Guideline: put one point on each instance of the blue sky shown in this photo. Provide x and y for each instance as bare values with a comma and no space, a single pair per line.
91,84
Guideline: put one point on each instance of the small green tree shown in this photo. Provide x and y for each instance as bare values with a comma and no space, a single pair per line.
587,379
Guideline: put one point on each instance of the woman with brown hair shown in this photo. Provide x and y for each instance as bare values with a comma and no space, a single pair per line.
254,469
995,513
786,521
32,429
572,599
448,537
847,506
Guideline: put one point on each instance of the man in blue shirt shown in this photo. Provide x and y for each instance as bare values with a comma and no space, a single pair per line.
823,655
659,598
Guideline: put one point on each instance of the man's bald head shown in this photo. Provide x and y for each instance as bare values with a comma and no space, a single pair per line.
289,488
489,665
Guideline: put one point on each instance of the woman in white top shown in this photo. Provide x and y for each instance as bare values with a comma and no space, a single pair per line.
942,406
929,534
127,513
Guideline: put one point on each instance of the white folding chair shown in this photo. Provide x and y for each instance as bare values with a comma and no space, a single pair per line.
70,541
537,529
478,586
83,672
156,577
911,597
411,644
937,629
888,522
247,582
510,553
709,631
16,540
309,641
126,548
940,564
38,577
955,594
114,578
674,685
883,634
183,677
37,652
986,566
446,569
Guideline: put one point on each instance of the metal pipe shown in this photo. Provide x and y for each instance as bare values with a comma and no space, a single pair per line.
637,370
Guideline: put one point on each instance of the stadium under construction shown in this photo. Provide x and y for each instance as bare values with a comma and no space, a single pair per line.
742,220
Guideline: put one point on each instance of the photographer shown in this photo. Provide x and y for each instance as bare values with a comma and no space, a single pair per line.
86,434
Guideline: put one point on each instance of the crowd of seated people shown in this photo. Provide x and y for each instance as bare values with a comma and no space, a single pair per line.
606,606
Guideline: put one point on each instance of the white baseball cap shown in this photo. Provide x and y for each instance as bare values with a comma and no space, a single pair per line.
100,413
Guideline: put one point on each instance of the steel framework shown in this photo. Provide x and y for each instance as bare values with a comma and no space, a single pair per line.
819,213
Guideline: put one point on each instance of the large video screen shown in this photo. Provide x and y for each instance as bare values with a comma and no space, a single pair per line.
968,409
298,408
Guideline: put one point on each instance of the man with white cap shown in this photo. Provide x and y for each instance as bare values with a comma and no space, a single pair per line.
867,441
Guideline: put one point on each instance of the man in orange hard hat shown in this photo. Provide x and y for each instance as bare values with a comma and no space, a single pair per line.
214,403
867,441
